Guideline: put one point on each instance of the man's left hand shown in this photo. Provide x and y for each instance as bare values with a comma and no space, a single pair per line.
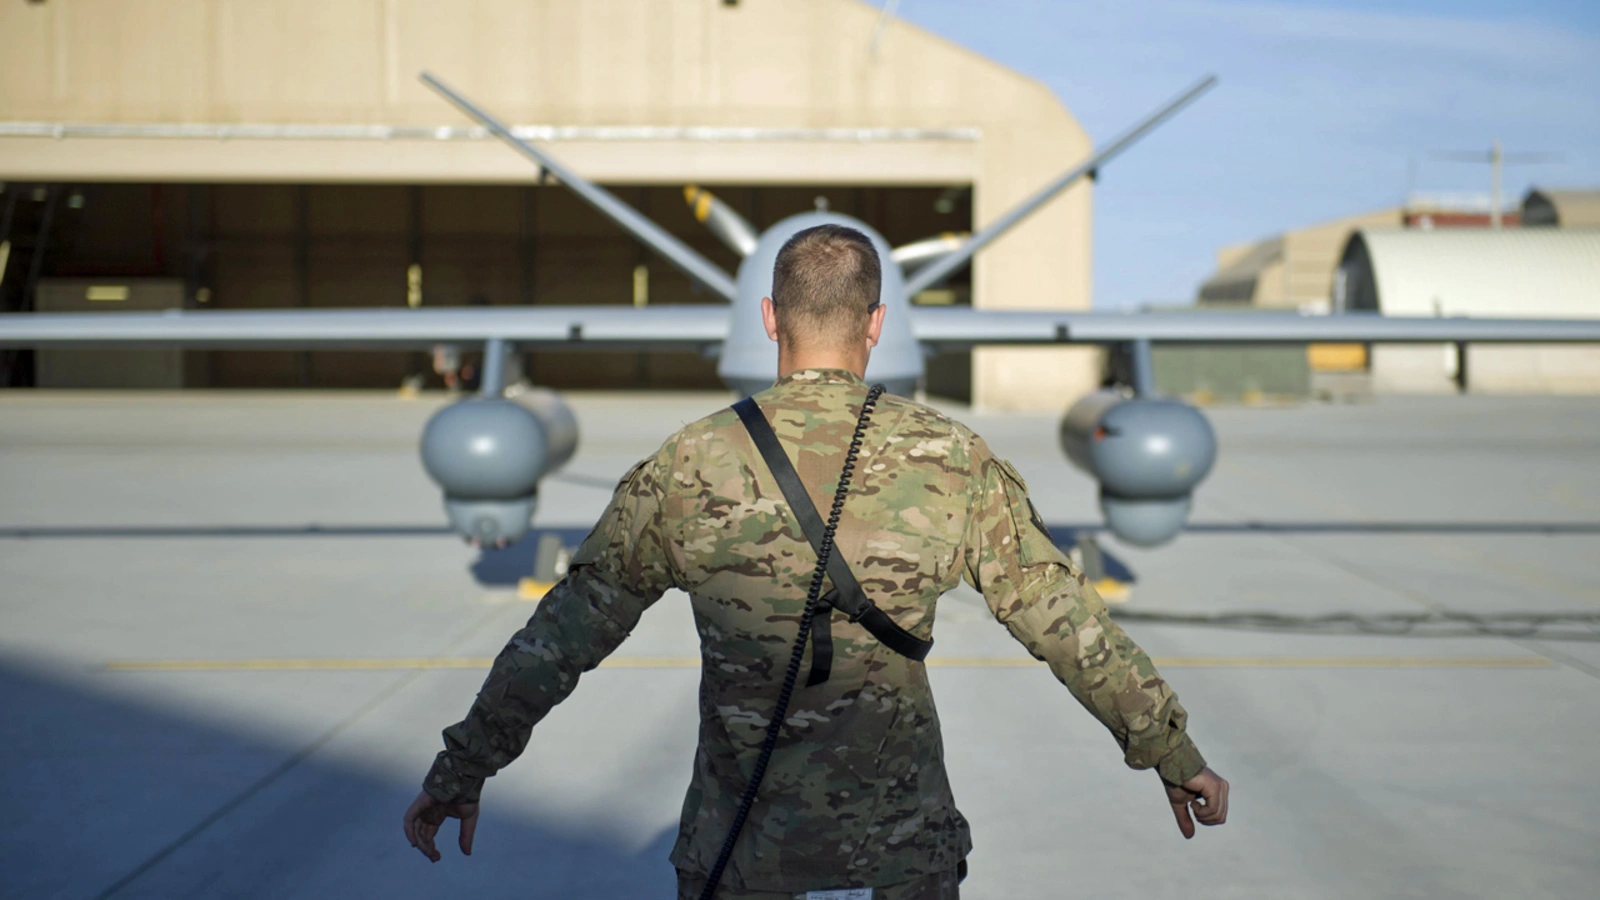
1206,794
425,816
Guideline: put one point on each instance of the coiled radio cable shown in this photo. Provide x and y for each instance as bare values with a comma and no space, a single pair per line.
791,675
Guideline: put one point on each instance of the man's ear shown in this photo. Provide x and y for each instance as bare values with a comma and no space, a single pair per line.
769,317
875,325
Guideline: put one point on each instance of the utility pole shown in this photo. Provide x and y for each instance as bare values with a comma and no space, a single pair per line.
1497,159
1497,164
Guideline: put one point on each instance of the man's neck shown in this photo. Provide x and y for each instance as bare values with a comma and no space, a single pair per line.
803,358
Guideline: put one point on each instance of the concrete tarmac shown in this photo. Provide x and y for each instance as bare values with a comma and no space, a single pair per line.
233,624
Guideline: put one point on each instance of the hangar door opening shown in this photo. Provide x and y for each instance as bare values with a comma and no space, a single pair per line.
261,246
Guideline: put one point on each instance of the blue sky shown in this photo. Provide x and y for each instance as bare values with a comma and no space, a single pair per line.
1324,108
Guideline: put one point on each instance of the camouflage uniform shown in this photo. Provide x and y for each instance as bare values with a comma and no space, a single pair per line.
943,886
856,794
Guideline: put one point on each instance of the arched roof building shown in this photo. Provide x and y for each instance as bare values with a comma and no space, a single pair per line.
1491,273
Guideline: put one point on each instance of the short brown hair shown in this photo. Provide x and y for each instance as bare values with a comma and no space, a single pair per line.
825,282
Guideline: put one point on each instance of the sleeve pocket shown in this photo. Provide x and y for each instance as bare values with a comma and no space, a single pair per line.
1036,545
606,532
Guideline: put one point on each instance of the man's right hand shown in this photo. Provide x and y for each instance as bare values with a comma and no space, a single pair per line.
426,814
1206,794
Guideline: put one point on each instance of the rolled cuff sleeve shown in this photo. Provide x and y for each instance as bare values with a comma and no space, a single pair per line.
446,785
1182,764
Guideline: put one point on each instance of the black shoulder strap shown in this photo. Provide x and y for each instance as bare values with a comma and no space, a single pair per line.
847,595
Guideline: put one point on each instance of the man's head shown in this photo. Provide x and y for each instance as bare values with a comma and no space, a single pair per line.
825,286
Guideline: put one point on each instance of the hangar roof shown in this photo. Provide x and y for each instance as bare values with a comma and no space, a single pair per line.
1235,281
781,72
1290,269
1511,272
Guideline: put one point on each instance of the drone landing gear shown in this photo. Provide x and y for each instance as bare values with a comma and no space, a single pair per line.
549,566
1086,555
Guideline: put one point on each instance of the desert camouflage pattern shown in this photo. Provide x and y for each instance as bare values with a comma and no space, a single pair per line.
856,794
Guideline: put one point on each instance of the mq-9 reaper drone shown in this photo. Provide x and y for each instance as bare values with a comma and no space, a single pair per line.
489,452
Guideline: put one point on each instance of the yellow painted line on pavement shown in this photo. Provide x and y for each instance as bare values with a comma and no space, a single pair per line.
292,665
1353,662
952,662
1283,662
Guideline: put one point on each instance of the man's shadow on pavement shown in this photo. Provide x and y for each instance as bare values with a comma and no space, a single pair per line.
121,799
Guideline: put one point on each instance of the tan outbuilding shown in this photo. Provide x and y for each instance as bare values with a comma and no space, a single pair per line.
1563,208
648,93
1293,270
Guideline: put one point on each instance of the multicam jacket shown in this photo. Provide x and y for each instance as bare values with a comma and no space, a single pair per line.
856,793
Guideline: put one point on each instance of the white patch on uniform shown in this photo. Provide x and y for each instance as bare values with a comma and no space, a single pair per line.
1089,638
842,894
